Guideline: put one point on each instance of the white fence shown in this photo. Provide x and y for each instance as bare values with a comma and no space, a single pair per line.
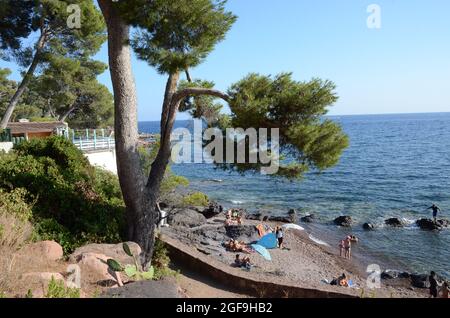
92,139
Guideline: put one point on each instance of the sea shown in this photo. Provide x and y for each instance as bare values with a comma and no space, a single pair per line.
397,165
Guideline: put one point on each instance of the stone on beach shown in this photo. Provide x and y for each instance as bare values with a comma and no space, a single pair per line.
186,217
308,218
247,233
345,221
212,210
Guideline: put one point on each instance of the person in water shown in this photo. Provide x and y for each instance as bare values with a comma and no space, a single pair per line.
435,209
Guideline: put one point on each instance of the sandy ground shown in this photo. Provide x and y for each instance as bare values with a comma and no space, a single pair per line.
302,262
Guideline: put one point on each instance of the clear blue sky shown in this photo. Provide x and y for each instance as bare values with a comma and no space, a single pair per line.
404,67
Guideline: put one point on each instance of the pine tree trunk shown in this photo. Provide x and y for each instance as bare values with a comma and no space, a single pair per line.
140,201
23,85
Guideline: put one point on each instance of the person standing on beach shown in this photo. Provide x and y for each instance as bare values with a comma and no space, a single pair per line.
279,234
433,285
348,247
341,247
435,209
444,290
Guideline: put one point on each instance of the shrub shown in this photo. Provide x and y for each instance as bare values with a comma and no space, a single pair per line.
196,199
74,203
56,289
15,215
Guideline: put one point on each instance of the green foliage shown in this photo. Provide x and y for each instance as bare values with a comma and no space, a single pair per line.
74,203
196,199
170,181
40,119
15,216
202,106
29,294
135,271
56,289
176,35
307,140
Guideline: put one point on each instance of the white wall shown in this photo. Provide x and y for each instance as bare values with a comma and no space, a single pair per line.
6,146
105,159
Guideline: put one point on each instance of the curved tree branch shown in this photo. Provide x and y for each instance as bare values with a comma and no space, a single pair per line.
195,91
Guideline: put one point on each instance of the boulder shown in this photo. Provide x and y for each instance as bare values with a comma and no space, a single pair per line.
393,274
255,216
43,277
293,216
428,224
420,281
212,210
114,251
186,217
97,265
395,222
308,218
215,234
48,250
368,226
246,233
281,219
165,288
343,220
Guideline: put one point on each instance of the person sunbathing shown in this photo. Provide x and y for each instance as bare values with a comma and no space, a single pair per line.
238,261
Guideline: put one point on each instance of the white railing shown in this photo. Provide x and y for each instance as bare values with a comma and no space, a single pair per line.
92,139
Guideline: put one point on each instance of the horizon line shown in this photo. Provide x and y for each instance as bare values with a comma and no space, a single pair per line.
343,115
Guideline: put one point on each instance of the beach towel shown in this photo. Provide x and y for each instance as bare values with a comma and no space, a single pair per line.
261,230
268,241
263,251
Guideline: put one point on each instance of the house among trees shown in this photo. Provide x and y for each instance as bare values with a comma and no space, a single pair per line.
25,130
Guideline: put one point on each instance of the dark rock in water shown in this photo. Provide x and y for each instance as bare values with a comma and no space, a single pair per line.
265,218
212,210
308,218
404,275
246,233
395,222
165,288
344,220
186,217
368,226
420,281
293,216
427,224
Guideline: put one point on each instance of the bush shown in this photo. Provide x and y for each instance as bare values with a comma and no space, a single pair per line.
196,199
74,203
56,289
15,215
161,260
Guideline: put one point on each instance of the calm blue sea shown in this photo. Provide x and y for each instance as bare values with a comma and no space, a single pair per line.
396,166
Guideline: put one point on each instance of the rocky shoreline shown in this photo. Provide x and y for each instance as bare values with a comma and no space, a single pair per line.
304,261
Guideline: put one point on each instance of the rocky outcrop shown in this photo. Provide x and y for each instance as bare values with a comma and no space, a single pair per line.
394,274
246,233
420,281
395,222
428,224
308,218
368,227
255,216
114,251
212,210
345,221
186,217
48,250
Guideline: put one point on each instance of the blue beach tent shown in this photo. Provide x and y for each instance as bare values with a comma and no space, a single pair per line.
268,241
